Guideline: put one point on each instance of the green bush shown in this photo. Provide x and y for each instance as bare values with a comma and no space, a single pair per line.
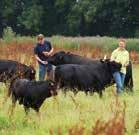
8,35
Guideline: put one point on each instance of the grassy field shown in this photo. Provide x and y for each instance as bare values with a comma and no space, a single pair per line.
76,115
72,115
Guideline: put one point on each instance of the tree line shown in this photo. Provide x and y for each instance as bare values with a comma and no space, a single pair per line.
71,17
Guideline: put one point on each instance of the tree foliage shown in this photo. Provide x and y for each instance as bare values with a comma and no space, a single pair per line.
71,17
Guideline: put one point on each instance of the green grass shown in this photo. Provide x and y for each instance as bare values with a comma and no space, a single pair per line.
104,43
66,113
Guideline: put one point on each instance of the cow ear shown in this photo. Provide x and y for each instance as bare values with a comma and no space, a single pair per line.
51,83
62,52
32,69
101,60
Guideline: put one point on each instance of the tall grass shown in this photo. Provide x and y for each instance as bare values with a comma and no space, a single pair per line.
75,115
104,43
70,115
22,46
72,43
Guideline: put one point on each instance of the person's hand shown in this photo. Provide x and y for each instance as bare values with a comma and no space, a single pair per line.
125,65
49,54
44,62
118,62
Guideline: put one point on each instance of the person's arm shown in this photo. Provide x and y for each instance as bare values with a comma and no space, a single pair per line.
113,56
36,52
38,59
50,52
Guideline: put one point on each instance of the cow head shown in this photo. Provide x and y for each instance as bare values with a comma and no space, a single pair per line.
52,87
112,65
32,73
57,58
24,71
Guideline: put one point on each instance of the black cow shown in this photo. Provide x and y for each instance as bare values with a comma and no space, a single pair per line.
86,77
31,93
62,57
10,69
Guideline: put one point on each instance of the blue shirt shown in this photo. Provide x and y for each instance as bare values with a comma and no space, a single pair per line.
40,48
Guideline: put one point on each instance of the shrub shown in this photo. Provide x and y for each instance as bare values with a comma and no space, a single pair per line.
8,35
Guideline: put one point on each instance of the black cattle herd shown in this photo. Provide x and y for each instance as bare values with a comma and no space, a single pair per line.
72,71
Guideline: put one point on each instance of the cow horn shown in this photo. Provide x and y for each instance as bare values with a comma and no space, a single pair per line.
105,57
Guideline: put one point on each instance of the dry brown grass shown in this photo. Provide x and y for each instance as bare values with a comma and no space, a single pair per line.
24,52
115,125
21,52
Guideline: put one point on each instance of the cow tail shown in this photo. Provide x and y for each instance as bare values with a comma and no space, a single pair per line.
131,81
131,84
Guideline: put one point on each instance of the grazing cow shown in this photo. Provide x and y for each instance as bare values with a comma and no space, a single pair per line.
10,68
86,77
31,93
62,57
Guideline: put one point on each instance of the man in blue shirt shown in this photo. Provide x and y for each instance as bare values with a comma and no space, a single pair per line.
42,51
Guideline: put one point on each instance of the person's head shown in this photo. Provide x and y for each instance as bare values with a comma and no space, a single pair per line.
122,44
40,38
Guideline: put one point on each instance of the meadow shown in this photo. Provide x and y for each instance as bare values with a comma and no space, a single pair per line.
72,115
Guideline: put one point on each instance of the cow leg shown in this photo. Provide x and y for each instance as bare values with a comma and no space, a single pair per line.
86,92
91,92
26,110
86,89
99,89
58,83
100,93
75,91
65,91
129,86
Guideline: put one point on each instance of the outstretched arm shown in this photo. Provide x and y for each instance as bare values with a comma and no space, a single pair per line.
113,56
48,53
38,59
